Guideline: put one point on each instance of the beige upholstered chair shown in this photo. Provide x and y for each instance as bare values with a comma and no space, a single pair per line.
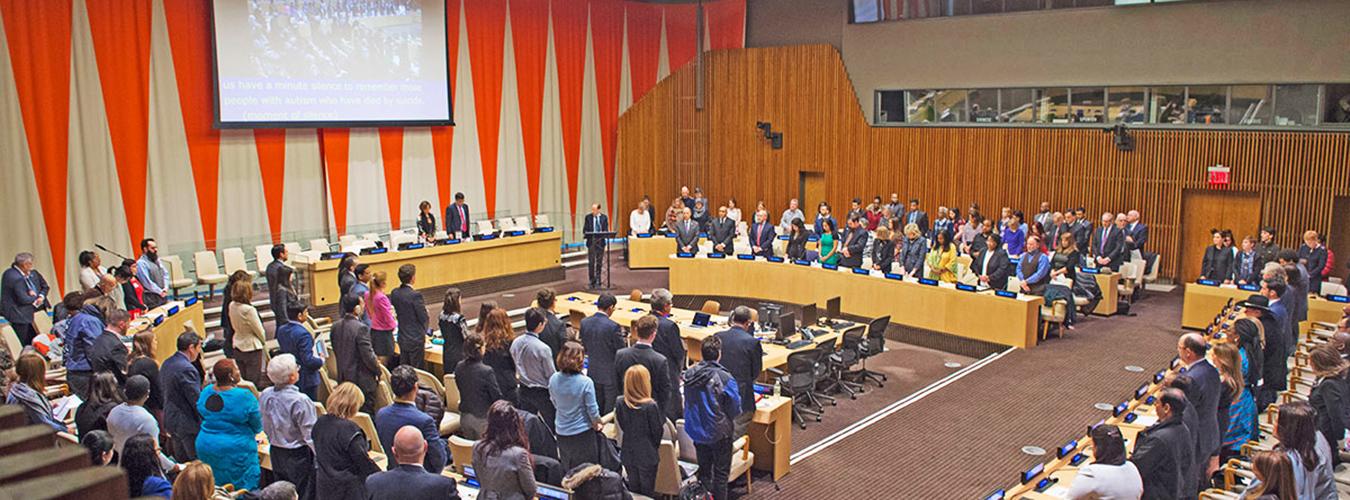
234,261
208,272
178,279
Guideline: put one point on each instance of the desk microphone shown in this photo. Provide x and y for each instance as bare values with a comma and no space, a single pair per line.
105,249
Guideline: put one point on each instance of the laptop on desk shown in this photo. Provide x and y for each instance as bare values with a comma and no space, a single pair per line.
544,491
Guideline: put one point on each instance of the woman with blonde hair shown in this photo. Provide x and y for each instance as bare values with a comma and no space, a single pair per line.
250,339
341,450
195,482
1240,418
911,251
642,424
497,338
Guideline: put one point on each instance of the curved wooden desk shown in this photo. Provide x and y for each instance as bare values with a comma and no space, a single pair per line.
943,309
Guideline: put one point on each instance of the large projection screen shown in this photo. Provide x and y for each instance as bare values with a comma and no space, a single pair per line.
330,63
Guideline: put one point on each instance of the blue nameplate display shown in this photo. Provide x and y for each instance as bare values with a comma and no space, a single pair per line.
1141,391
1005,294
644,235
813,238
1339,298
964,287
997,495
802,262
893,276
438,341
1158,377
859,270
543,229
453,241
831,267
1208,282
636,309
783,237
702,235
573,299
172,311
1120,408
190,301
1130,417
373,251
411,246
928,281
1089,270
668,234
1150,400
685,255
745,256
332,255
776,259
1065,450
1029,474
515,233
158,320
485,237
715,255
1249,287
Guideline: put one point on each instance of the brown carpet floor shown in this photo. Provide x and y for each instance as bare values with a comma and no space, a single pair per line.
964,440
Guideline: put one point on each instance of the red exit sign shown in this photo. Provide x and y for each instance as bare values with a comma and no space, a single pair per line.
1220,175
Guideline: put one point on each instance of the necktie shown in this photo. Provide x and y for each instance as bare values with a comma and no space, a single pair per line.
759,235
1104,240
463,219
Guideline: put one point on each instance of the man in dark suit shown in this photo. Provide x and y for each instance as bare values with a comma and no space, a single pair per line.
1275,378
643,353
602,338
686,233
1162,452
916,216
24,292
1205,386
409,479
181,384
1313,256
555,329
457,218
762,235
274,278
722,232
596,222
109,353
411,311
855,243
294,339
1107,242
403,413
670,345
992,264
1136,233
744,358
356,362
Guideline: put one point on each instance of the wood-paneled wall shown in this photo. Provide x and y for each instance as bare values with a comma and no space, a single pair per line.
804,91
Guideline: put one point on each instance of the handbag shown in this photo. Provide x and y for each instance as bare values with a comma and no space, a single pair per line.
691,489
609,453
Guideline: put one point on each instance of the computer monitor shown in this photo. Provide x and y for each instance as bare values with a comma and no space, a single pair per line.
702,319
832,308
808,315
768,314
547,492
787,326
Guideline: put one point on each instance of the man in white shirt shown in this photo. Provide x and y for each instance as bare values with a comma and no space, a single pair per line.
640,219
792,213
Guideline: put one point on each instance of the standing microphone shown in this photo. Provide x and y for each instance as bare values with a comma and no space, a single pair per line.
105,249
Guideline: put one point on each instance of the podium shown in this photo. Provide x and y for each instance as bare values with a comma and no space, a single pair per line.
597,242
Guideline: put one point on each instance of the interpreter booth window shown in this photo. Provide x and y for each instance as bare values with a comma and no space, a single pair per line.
983,105
1018,105
1127,104
1206,104
1053,106
890,106
1252,105
1295,105
1337,108
1165,105
922,106
1088,105
950,105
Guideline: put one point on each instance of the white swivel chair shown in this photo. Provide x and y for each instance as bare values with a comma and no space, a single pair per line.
399,238
208,272
523,222
178,279
484,227
319,245
541,220
506,224
1329,288
262,255
234,261
371,237
347,239
294,248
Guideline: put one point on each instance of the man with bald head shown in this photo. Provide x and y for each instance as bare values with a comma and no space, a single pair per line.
1205,387
409,480
1341,340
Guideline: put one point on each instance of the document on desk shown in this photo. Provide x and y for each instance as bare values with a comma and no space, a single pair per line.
1145,420
66,406
1057,491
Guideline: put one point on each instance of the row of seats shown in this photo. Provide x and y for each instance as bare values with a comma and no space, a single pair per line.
38,464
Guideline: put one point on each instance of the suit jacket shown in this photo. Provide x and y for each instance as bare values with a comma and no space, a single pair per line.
999,268
602,339
1315,259
918,217
356,362
1082,234
109,354
456,223
686,235
669,344
593,225
394,417
744,358
762,236
883,254
477,385
182,386
911,254
1330,397
856,245
657,367
411,311
1163,456
1052,232
1140,234
1204,396
1217,263
294,339
16,298
555,332
274,275
426,223
407,482
722,231
1254,276
1111,246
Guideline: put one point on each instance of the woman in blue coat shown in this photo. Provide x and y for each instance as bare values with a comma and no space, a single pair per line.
230,424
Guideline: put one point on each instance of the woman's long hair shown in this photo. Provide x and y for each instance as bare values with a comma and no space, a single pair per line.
637,386
1296,429
140,460
505,429
497,332
483,310
1229,362
1276,473
196,482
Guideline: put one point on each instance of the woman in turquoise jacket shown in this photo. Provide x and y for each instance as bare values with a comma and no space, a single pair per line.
230,424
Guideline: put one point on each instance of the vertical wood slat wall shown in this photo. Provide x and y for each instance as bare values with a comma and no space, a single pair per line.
804,91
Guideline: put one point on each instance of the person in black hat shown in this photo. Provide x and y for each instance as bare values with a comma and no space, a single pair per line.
1266,248
1251,337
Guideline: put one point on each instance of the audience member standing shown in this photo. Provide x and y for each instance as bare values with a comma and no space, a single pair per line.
404,413
151,274
941,259
670,345
198,482
1237,409
382,321
643,424
477,387
1267,247
341,450
182,385
640,219
1274,477
226,325
792,214
854,244
294,339
1205,386
828,241
453,327
555,329
643,353
1247,266
912,251
883,250
1162,452
426,221
497,338
347,274
91,270
686,233
992,264
409,479
457,218
917,217
1033,270
1217,263
712,403
502,457
534,365
1014,239
288,418
108,353
1330,396
104,395
356,360
230,423
412,318
743,357
578,418
81,332
250,339
595,222
602,339
722,232
144,345
797,238
1275,369
130,419
274,280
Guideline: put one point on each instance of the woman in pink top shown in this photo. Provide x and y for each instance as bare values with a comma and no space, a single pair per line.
382,322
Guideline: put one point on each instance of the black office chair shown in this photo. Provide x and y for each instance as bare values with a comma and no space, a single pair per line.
799,382
843,361
875,344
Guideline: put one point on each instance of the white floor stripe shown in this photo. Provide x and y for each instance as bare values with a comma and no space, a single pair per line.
894,407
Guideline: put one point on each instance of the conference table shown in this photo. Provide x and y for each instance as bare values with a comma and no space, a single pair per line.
444,265
941,307
1200,302
168,321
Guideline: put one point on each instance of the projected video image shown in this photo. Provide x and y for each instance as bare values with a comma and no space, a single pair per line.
336,38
